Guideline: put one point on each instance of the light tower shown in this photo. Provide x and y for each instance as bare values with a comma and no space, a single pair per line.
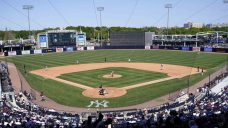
28,8
100,9
168,6
226,2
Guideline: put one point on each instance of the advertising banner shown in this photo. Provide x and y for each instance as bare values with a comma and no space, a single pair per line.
81,39
43,41
207,49
1,53
69,49
155,46
222,50
197,49
25,52
39,51
12,53
50,50
185,48
59,49
90,47
80,48
147,47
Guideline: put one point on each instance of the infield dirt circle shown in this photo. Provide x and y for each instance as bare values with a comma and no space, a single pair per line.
112,76
173,71
110,92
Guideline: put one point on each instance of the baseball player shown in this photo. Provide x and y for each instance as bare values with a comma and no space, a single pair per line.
162,67
112,73
202,71
46,68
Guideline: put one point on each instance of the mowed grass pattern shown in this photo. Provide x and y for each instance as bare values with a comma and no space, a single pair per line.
72,96
192,59
94,78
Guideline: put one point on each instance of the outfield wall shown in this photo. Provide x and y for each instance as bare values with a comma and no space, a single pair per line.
89,48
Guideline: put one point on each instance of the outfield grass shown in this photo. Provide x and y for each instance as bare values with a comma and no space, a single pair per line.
71,96
192,59
94,78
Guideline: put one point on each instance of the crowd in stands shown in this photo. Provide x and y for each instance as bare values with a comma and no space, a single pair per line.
206,87
210,110
5,80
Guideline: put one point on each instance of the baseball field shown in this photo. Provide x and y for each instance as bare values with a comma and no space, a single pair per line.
61,79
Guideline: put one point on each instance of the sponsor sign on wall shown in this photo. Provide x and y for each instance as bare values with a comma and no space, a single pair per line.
25,52
185,48
147,47
12,53
207,49
59,49
1,53
196,49
69,49
50,50
155,46
80,48
222,50
39,51
90,47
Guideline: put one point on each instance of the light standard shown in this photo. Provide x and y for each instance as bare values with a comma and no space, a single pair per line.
100,9
226,2
168,6
196,39
28,7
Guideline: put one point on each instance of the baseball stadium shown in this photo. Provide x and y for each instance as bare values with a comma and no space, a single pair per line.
114,77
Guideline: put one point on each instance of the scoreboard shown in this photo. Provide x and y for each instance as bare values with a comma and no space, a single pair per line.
81,39
61,39
132,38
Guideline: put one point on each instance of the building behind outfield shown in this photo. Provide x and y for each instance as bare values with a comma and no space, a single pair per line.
134,38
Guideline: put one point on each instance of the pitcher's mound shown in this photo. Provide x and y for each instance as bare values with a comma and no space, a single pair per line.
110,92
112,76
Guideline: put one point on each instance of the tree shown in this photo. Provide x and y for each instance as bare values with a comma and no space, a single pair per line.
9,35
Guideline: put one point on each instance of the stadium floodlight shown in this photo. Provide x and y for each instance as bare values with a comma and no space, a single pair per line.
28,7
168,6
226,2
100,9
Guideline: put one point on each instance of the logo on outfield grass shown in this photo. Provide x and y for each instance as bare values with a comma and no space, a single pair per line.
97,104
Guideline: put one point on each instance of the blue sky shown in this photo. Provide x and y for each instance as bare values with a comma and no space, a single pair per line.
128,13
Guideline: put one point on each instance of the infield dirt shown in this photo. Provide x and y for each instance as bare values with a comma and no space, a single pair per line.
173,71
